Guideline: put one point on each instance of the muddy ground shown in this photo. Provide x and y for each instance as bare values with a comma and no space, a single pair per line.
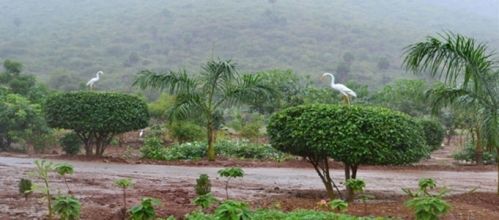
290,185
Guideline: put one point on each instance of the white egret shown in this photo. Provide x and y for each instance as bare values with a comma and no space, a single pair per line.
141,133
345,91
92,81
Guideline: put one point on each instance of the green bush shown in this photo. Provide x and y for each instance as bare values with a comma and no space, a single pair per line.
25,187
434,133
233,210
203,185
353,135
96,117
67,207
468,154
205,201
186,151
144,210
70,143
186,131
153,148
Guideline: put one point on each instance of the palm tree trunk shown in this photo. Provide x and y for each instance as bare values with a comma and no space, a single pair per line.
479,148
211,149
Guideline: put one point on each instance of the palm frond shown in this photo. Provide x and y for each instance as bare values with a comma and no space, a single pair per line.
186,105
450,57
173,81
249,89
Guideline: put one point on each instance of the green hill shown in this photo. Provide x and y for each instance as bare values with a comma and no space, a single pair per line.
67,41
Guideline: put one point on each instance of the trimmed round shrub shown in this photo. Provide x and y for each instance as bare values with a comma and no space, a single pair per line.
351,134
70,143
434,133
96,117
354,135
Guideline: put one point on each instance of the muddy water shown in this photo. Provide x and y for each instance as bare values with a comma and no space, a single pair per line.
285,178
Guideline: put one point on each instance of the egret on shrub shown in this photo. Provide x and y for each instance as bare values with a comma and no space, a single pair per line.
345,91
92,81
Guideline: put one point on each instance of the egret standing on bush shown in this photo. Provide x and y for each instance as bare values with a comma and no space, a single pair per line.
92,81
345,91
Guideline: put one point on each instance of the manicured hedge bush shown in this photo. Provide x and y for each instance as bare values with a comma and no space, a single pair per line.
353,135
434,133
96,117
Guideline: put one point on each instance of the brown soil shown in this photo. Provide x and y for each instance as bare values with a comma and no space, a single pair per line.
263,188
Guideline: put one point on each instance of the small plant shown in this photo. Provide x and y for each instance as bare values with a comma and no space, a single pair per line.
338,205
357,186
70,143
203,185
42,170
124,184
67,207
63,169
205,201
25,187
232,210
427,206
144,210
230,173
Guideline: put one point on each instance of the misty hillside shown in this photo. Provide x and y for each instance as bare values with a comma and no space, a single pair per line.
67,41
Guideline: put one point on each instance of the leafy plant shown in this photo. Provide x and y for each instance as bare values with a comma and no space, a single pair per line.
427,206
42,170
124,184
67,207
185,131
153,148
229,173
25,187
354,135
144,210
338,205
70,143
63,169
203,185
357,186
96,117
232,210
205,201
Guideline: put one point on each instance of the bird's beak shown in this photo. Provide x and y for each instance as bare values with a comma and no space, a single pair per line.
322,77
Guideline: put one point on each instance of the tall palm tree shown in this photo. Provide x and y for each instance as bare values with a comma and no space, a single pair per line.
218,86
471,79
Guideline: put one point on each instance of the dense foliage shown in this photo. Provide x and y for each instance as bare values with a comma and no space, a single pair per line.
353,135
70,143
96,117
434,133
21,120
67,207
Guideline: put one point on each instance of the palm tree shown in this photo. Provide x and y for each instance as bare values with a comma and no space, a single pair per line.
471,77
218,86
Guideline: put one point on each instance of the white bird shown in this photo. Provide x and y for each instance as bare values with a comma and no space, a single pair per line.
141,133
92,81
345,91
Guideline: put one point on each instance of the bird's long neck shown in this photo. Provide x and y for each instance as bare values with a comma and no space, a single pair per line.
98,75
332,79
